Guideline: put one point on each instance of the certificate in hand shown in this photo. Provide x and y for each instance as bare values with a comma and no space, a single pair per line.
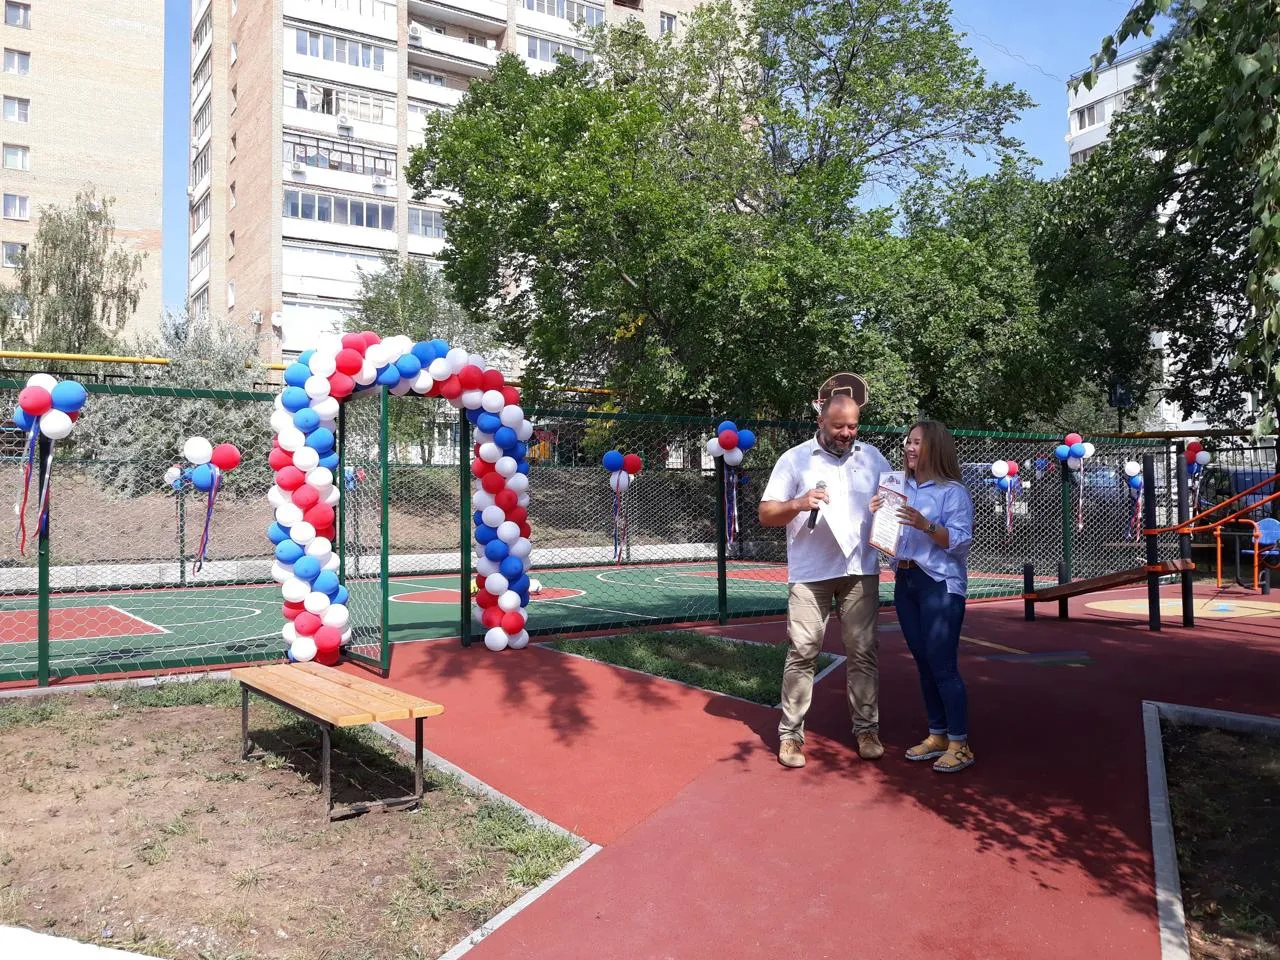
886,528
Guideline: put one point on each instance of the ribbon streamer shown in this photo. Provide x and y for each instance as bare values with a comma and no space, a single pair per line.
1008,510
42,513
1080,502
1135,527
731,504
619,526
208,518
21,507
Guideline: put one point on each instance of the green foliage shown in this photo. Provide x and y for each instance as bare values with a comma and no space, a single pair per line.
77,286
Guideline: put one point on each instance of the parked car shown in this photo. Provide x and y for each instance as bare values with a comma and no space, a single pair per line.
988,499
1220,483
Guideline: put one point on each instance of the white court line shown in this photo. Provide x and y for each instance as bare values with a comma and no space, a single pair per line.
583,606
112,606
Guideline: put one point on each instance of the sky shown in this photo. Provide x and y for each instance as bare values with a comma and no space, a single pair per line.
1036,44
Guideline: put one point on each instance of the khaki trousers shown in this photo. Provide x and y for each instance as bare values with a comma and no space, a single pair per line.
857,599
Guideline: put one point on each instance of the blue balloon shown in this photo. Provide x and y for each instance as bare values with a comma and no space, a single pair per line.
294,399
295,374
330,460
612,460
308,568
306,420
488,422
1193,469
326,582
505,437
441,347
321,438
409,366
1004,483
511,567
524,597
522,467
425,352
746,440
277,534
1062,451
1077,449
485,534
520,584
304,358
726,425
341,595
202,477
474,415
289,654
289,552
521,451
1042,462
389,375
68,396
1135,482
478,518
496,550
24,420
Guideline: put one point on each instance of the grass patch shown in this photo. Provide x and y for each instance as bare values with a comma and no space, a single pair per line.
1224,791
752,671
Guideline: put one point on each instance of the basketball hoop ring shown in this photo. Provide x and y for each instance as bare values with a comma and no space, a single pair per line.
849,384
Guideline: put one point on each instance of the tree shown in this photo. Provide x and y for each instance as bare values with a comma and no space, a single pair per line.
681,219
76,287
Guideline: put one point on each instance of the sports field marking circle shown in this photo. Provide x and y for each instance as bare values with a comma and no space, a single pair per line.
450,595
218,611
1208,609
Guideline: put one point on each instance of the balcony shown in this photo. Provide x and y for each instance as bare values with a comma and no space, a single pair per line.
450,53
447,97
489,16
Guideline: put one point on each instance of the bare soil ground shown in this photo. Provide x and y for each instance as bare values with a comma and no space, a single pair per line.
129,820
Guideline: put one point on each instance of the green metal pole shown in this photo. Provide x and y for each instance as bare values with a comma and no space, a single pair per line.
182,532
722,572
42,535
341,480
384,402
1068,520
464,528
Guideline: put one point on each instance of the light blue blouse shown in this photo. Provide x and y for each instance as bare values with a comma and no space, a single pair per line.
946,503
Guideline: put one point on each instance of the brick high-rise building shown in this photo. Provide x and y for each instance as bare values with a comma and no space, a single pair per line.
83,93
303,115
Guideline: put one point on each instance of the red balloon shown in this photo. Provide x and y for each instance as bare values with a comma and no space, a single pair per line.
279,459
307,623
633,464
512,622
525,530
517,515
1072,438
327,657
73,416
1194,447
349,361
470,377
1013,468
493,482
226,456
328,636
291,610
485,599
434,389
320,515
493,380
370,338
340,385
35,400
329,533
481,468
506,499
290,477
354,341
728,440
492,617
511,396
451,389
306,496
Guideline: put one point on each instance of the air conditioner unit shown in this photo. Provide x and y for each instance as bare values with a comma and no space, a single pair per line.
415,32
379,180
298,166
276,319
255,317
191,191
491,44
195,143
344,120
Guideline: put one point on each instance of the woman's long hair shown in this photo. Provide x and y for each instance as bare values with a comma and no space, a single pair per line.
938,458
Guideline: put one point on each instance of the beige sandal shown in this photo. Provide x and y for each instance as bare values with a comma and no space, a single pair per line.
955,758
930,747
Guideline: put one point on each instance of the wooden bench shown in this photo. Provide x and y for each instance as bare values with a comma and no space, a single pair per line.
330,698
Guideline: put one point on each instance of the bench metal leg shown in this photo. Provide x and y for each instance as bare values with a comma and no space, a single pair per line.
245,746
325,782
417,757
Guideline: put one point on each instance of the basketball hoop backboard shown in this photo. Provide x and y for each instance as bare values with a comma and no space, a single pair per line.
849,384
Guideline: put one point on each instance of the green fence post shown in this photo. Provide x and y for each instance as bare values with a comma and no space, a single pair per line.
722,572
341,481
182,532
464,528
1068,519
385,567
42,554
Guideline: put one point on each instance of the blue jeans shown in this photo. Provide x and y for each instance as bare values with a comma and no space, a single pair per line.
930,618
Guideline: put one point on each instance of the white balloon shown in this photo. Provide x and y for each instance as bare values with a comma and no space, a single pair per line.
376,354
1073,463
496,584
486,567
457,359
326,408
173,473
332,563
481,498
423,381
281,572
316,602
1132,468
197,450
471,399
508,532
733,457
291,439
714,448
55,424
525,432
277,497
535,585
1000,469
332,496
522,548
1202,457
42,380
316,387
490,452
281,420
289,632
518,482
320,548
475,360
493,515
393,349
306,458
523,499
496,639
401,388
519,641
295,590
287,514
509,601
480,437
346,636
320,477
323,365
493,401
336,615
439,369
278,403
507,467
303,649
366,374
456,402
302,533
619,481
329,343
511,416
1090,449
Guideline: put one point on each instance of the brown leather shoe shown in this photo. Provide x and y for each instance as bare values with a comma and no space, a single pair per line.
790,754
869,745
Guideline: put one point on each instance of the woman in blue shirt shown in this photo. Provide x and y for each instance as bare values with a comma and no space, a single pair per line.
929,592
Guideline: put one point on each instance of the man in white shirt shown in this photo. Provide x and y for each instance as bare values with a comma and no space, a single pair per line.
833,560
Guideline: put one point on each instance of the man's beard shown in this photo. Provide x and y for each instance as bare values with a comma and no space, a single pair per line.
834,445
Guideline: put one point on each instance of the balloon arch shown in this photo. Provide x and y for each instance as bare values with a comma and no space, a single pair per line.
306,497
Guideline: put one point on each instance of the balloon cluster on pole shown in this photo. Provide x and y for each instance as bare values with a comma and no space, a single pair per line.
622,470
1197,458
1133,477
730,445
1073,451
207,464
1005,473
47,407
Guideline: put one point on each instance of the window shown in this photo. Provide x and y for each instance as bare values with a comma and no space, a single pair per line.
202,32
200,257
328,46
231,295
1091,115
235,97
235,51
200,212
571,10
200,166
17,14
200,304
13,253
204,116
231,244
202,74
666,24
1080,156
16,157
373,9
426,223
343,155
17,109
235,5
426,76
231,199
334,100
349,211
15,207
231,152
540,48
17,61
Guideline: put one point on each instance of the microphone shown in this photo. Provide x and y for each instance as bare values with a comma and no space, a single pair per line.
813,514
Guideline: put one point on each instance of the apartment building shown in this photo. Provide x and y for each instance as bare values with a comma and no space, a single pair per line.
83,90
303,113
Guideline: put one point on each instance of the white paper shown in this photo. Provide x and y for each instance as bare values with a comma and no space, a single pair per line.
886,528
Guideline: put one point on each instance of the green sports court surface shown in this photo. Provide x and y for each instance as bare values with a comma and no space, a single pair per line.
116,630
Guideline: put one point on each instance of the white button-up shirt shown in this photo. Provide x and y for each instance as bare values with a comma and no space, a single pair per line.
837,546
